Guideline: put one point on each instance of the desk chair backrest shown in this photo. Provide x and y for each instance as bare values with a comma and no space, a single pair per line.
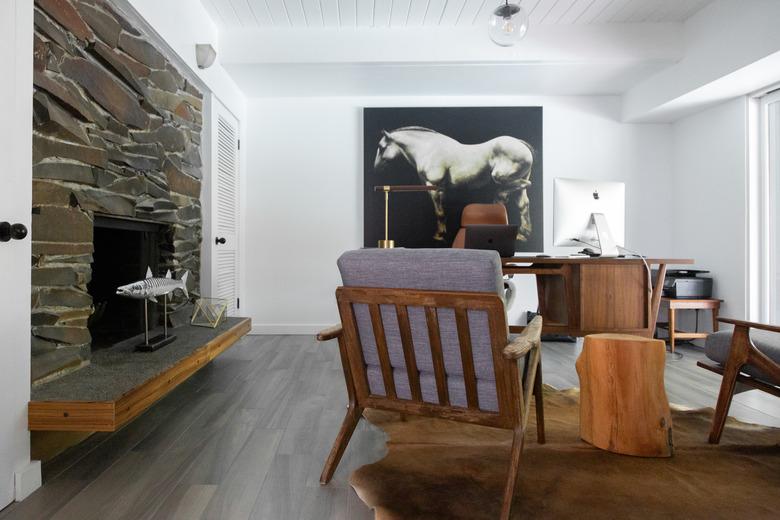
474,214
424,331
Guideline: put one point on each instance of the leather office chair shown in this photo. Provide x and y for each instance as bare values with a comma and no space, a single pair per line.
424,332
474,214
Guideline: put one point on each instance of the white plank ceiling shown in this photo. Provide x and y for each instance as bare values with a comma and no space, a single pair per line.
349,14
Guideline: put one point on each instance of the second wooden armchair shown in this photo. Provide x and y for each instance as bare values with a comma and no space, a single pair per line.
750,354
424,332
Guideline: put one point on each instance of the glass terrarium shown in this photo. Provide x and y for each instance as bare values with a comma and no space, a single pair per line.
209,312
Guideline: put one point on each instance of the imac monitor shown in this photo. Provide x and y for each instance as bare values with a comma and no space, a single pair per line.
589,214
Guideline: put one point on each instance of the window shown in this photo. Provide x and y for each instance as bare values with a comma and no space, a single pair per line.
764,211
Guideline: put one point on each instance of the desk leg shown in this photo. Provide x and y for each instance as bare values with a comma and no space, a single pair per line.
541,307
672,325
571,280
655,301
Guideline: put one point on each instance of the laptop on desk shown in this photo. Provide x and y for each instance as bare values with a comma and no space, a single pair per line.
493,237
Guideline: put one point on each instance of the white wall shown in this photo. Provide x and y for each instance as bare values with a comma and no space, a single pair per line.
709,214
182,24
305,181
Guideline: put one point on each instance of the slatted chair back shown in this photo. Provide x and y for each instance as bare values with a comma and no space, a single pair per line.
424,331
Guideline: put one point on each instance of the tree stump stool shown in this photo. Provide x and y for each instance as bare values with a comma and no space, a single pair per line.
623,404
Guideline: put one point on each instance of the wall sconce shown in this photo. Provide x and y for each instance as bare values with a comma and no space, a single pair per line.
205,55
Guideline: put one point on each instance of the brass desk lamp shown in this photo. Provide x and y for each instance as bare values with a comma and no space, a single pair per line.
387,243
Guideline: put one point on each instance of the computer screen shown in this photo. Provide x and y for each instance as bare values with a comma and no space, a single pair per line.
576,200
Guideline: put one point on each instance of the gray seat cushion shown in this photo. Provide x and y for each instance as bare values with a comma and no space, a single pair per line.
718,344
427,269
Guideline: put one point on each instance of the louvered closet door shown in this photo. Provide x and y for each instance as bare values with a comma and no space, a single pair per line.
226,209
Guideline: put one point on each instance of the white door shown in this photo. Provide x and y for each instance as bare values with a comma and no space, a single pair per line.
225,207
16,55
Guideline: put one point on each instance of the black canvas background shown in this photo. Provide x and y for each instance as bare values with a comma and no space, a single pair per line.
412,218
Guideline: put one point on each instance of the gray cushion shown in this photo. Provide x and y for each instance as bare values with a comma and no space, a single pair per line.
718,345
427,269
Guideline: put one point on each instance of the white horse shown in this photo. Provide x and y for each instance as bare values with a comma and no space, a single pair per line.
441,161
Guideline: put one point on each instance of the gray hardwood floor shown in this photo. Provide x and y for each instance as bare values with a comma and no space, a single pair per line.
246,438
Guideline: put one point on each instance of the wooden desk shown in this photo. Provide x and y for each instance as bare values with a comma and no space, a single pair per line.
581,296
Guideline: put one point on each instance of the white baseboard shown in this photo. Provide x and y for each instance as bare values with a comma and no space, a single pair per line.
27,480
288,329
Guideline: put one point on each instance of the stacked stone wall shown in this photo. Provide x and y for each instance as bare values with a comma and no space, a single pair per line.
116,131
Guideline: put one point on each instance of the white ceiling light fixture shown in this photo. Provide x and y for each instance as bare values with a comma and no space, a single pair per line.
205,55
508,24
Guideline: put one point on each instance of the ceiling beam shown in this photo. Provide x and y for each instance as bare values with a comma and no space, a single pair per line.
732,48
613,43
426,79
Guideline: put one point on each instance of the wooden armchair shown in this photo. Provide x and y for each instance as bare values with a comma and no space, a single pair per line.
741,356
433,352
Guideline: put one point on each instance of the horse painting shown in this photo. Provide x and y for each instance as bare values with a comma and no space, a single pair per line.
503,164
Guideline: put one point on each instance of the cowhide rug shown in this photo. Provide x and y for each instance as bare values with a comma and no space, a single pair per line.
442,469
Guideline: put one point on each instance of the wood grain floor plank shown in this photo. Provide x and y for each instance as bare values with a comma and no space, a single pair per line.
325,502
283,489
46,501
211,463
237,494
194,502
246,437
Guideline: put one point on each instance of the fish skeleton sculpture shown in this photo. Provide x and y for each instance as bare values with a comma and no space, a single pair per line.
151,287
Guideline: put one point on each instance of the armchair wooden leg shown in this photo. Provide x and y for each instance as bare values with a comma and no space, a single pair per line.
514,471
727,387
738,354
539,403
340,444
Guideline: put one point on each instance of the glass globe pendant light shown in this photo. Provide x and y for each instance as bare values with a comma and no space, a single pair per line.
508,24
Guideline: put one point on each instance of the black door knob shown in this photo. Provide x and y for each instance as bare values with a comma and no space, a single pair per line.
10,231
220,240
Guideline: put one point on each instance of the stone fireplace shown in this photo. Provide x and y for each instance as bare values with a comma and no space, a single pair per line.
116,179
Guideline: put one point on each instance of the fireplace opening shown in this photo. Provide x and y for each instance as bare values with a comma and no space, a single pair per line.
124,248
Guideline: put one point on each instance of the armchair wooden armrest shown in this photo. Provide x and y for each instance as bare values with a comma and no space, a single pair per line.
530,338
330,333
742,352
750,324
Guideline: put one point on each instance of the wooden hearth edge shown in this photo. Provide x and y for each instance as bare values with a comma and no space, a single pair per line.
108,416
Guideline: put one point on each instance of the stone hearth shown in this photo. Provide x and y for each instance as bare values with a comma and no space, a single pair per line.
117,132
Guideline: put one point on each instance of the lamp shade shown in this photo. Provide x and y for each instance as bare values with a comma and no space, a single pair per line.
508,24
